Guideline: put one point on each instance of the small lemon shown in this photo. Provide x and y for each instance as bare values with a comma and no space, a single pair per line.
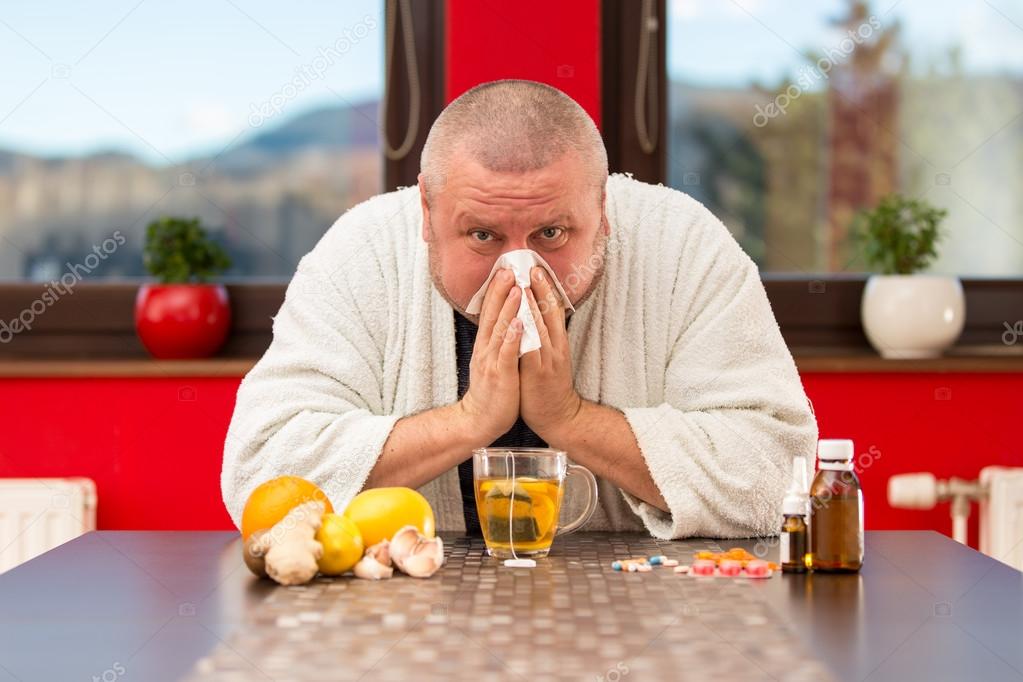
342,544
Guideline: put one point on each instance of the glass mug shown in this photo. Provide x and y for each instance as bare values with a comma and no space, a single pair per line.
518,498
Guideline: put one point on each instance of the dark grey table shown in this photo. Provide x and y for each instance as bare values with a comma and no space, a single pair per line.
176,605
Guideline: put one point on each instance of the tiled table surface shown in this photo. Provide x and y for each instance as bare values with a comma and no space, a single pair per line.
181,605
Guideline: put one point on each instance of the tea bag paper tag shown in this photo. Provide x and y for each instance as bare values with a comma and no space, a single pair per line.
521,262
520,563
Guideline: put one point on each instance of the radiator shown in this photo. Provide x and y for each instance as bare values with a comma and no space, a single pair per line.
1001,515
998,492
37,514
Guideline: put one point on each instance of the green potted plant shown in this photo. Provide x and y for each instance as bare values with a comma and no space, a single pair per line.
907,314
182,316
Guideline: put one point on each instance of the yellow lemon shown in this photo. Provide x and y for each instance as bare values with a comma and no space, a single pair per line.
342,544
381,512
543,512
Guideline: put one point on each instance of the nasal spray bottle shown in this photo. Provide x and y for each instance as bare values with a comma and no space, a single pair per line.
794,531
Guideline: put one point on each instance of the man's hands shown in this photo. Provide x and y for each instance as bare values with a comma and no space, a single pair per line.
492,399
549,401
539,385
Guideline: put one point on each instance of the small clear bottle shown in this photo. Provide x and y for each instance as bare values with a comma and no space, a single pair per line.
794,537
836,511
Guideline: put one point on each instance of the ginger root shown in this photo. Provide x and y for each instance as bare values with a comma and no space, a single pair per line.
255,562
289,549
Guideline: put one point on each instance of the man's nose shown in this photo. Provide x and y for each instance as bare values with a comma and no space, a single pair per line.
516,244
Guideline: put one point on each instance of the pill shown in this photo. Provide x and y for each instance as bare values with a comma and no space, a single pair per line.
644,568
681,569
657,560
702,567
632,567
670,562
758,569
730,567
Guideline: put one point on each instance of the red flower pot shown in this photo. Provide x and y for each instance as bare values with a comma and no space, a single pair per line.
178,321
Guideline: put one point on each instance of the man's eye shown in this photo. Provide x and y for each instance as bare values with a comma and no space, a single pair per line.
550,233
481,235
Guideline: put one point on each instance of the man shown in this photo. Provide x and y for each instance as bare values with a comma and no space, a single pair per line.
670,381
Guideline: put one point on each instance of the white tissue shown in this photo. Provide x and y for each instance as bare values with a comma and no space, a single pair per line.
521,262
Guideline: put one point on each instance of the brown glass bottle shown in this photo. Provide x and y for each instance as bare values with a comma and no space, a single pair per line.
793,544
836,511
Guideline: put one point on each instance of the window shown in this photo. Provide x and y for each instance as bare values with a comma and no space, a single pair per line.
257,117
785,119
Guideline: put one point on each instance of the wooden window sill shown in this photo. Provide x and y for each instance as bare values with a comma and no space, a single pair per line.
957,360
853,361
128,368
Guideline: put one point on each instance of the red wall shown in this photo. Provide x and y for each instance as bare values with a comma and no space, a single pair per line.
948,424
153,446
553,42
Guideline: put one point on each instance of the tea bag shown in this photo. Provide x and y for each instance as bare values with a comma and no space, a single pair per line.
509,512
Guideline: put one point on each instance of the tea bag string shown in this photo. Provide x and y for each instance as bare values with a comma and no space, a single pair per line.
511,503
515,561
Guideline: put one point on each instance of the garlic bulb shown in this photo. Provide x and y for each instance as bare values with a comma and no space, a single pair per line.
381,552
415,554
369,568
402,544
426,558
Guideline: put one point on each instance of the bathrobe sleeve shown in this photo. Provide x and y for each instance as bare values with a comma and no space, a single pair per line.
719,446
312,405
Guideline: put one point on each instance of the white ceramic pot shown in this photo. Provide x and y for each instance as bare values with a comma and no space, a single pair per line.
912,316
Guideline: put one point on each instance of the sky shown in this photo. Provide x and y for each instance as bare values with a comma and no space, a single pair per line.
170,80
733,42
167,80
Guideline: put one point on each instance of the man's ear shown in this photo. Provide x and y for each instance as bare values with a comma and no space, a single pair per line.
426,208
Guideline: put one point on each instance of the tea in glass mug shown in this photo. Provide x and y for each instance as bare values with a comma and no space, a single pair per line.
518,498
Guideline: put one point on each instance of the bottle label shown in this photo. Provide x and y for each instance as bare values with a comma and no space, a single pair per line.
785,551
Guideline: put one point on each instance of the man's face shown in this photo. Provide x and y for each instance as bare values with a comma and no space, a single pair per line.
479,214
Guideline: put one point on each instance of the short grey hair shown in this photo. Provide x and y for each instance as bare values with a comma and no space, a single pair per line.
512,126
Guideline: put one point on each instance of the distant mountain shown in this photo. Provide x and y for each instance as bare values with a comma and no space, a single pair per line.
7,161
324,129
268,197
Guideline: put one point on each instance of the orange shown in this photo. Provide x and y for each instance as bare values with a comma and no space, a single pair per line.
381,512
342,544
271,501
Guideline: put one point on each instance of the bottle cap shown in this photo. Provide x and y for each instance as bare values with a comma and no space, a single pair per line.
834,450
797,499
794,505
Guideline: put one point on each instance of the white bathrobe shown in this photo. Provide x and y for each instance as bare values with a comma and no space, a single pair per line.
678,335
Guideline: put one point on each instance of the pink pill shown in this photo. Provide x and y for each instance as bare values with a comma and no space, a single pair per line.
702,567
730,567
758,569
